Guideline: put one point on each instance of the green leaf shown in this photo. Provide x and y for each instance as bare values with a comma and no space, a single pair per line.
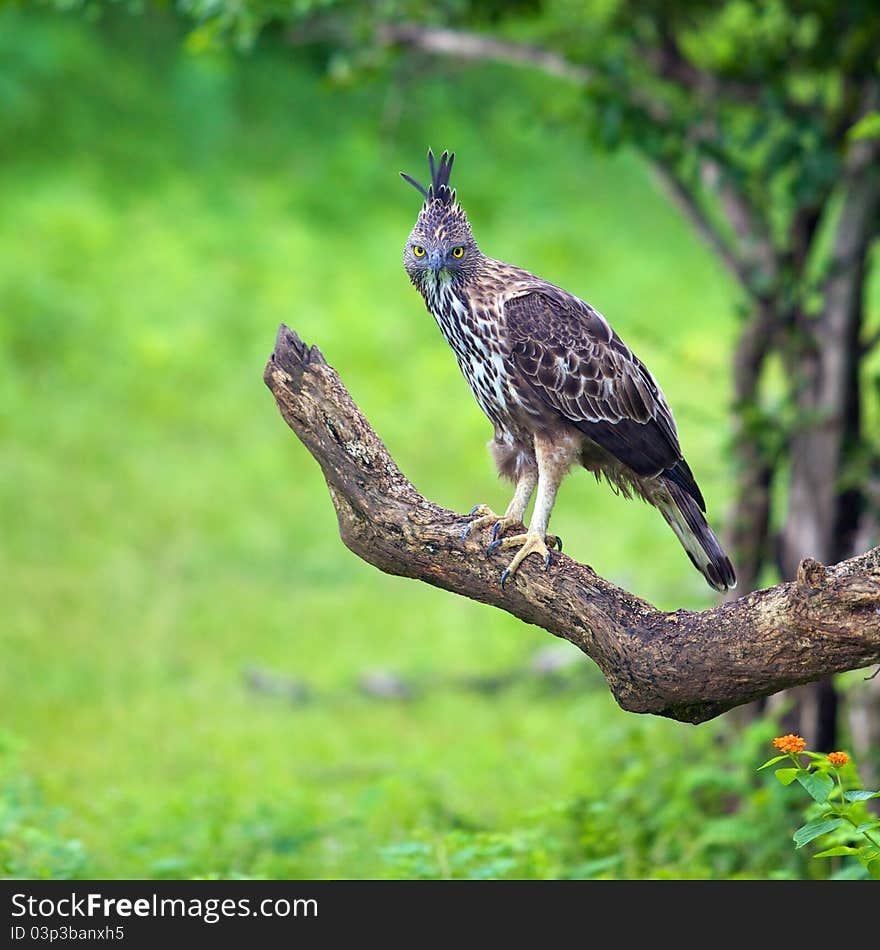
860,795
868,825
813,829
868,127
773,761
873,867
819,786
833,852
786,776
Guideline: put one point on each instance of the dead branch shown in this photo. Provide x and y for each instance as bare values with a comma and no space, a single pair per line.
684,665
475,47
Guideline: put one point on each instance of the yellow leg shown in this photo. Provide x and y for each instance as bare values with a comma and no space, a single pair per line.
553,462
528,544
483,517
513,516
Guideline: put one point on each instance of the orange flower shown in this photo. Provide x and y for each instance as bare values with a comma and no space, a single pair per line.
838,758
790,743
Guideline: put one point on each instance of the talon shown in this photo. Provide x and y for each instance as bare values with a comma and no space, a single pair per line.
487,518
505,574
559,543
527,544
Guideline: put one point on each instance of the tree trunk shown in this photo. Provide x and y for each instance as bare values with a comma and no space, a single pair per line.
823,515
748,527
749,524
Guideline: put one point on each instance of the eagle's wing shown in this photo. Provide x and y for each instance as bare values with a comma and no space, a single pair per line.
572,360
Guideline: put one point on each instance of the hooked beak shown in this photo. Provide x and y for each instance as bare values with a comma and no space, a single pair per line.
435,261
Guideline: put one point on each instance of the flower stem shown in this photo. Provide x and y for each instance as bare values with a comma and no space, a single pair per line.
844,810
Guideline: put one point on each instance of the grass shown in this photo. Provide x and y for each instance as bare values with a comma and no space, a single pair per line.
164,533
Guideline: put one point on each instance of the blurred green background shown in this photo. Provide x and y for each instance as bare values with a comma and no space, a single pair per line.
184,636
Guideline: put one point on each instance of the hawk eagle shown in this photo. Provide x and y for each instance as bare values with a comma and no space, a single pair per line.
558,384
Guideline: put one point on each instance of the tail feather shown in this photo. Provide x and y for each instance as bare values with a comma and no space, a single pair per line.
683,515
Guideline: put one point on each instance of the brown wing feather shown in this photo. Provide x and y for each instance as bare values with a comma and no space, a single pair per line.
575,363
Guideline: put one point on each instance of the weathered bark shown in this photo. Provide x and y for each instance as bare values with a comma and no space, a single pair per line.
475,47
685,665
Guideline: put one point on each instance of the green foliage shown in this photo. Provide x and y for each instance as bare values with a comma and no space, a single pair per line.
760,87
786,776
30,845
859,795
868,127
838,814
814,829
818,785
626,830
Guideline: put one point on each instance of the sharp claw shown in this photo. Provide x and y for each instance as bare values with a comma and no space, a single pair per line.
495,530
493,547
473,510
547,561
505,574
466,532
559,543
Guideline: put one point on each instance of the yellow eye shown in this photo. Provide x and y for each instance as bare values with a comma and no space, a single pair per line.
418,250
458,251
